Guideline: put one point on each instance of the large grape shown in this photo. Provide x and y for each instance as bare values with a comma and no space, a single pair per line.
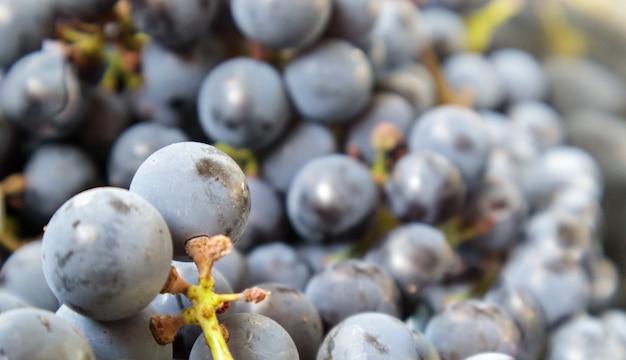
106,253
37,334
199,190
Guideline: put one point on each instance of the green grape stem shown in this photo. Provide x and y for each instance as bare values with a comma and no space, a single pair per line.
206,302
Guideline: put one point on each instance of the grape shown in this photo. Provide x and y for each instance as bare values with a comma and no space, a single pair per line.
330,197
415,255
501,204
424,186
521,74
281,23
267,215
175,24
369,335
352,286
352,19
243,103
10,301
22,275
277,262
53,174
558,168
470,327
457,133
295,313
198,189
107,117
383,108
28,22
36,334
526,314
584,337
128,338
251,337
172,80
475,73
133,146
490,356
330,81
302,143
106,253
543,123
461,6
443,30
398,27
42,94
411,81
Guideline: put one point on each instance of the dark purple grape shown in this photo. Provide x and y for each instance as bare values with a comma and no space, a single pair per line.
491,356
526,314
473,72
545,125
386,108
295,313
41,94
22,275
267,215
199,190
37,334
277,262
331,81
411,81
176,24
106,253
471,327
28,22
53,174
369,335
352,19
457,133
281,23
424,186
128,338
251,337
443,30
243,103
134,146
82,9
415,255
304,142
397,25
350,287
10,301
331,197
521,75
584,337
499,203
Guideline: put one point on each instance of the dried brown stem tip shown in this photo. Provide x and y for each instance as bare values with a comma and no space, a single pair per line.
255,294
386,136
165,327
175,284
204,251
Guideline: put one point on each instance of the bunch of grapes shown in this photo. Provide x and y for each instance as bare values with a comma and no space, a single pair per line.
310,179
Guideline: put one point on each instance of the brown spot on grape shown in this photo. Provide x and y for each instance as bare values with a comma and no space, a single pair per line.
378,346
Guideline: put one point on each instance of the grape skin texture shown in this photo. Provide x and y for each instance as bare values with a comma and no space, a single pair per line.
243,103
36,334
330,196
368,335
106,253
22,274
198,189
331,81
251,337
128,338
281,23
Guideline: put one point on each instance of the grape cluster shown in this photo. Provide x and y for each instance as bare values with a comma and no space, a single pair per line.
311,179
